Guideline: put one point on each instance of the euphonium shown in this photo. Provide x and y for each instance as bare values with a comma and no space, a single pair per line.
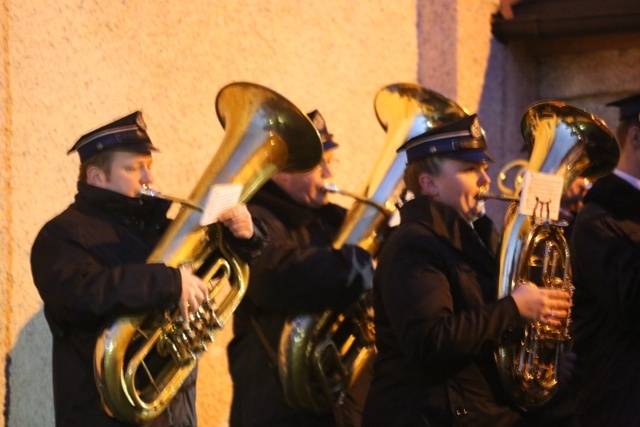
571,143
264,133
320,356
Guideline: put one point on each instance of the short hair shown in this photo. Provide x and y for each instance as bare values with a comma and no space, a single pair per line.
623,129
100,160
429,164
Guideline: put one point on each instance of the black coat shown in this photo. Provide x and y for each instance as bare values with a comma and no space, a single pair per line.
89,265
298,272
605,249
437,322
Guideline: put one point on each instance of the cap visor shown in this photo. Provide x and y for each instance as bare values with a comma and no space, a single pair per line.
475,156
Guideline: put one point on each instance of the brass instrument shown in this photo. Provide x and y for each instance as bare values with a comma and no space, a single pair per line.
265,133
568,142
321,356
517,167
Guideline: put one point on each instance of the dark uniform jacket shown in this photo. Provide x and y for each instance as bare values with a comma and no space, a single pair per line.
88,264
605,249
437,322
298,272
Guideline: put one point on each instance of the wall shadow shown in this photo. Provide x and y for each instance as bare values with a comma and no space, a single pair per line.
29,379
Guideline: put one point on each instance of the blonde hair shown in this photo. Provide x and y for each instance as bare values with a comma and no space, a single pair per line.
430,164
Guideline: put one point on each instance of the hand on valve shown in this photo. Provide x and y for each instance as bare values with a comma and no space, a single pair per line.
545,305
194,292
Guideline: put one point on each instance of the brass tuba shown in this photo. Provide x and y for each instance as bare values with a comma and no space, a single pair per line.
264,133
571,143
321,356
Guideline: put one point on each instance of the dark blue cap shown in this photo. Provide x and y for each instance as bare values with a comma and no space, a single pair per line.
462,139
629,107
327,138
127,134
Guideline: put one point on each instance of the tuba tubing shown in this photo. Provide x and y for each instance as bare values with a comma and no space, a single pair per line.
265,133
569,142
317,364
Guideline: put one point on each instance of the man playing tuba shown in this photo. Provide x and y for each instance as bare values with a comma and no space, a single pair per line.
605,247
89,265
298,272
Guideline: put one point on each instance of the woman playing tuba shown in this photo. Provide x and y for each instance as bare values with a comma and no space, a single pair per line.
436,312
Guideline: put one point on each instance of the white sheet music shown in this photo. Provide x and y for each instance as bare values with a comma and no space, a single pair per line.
173,210
541,194
220,198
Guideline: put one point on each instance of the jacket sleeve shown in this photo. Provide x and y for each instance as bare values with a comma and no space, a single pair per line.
78,288
248,249
418,300
289,276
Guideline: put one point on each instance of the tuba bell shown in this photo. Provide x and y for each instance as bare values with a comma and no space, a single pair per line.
322,355
569,142
265,133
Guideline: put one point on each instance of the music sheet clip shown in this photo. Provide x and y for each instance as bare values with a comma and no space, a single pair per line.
220,198
541,194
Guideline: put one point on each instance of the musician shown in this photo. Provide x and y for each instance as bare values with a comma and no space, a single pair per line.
572,201
437,315
605,255
298,272
88,264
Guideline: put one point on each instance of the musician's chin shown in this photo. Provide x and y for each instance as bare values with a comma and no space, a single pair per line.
476,212
480,208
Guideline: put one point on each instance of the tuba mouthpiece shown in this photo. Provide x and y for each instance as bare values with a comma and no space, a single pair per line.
145,190
329,187
332,188
486,195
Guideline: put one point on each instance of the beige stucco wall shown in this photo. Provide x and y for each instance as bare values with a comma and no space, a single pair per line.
71,65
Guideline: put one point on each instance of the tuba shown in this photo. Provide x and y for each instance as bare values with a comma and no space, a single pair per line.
322,355
141,360
571,143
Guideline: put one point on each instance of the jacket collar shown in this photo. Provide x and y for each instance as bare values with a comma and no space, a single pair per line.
128,210
617,195
278,201
479,241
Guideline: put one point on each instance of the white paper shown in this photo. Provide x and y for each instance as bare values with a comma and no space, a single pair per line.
541,194
220,198
173,210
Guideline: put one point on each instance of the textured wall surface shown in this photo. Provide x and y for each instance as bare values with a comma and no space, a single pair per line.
515,79
70,66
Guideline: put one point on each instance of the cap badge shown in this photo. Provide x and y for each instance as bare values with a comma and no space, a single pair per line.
318,122
476,130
